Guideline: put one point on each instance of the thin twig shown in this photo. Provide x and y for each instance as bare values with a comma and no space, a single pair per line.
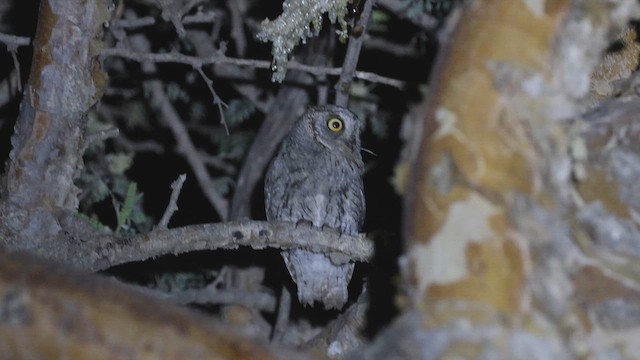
216,99
352,55
198,62
187,148
210,294
237,26
8,87
176,188
13,42
102,135
16,65
161,101
219,163
400,8
282,320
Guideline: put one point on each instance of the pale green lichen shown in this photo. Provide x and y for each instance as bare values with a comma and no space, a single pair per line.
300,19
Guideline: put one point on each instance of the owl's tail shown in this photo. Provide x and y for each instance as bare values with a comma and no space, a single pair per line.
318,279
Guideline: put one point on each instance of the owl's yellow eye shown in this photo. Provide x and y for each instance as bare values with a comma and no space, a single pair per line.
335,125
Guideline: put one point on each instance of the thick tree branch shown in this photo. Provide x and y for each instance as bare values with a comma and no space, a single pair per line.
491,224
48,143
49,311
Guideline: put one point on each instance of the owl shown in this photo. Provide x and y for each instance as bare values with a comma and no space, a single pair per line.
316,178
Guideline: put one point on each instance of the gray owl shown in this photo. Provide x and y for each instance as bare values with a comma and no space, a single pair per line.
316,177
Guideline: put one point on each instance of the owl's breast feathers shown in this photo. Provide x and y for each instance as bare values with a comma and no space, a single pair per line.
325,189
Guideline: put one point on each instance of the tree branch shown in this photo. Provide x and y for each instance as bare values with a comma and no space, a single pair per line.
161,101
13,42
198,62
399,8
176,187
49,311
351,57
210,294
102,251
256,234
200,18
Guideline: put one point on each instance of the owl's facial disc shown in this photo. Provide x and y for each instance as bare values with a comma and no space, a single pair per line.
335,132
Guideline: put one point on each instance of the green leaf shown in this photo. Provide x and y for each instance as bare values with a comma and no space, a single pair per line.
127,207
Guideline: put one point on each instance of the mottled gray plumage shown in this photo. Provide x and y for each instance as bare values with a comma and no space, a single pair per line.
317,177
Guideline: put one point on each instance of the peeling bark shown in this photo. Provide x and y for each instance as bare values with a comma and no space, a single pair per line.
493,228
47,146
52,312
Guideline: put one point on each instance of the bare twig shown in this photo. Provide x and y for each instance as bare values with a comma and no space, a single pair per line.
8,87
216,99
187,148
173,11
284,307
218,162
16,65
245,78
351,57
140,146
13,42
161,101
409,50
198,62
176,187
102,135
237,26
399,8
210,294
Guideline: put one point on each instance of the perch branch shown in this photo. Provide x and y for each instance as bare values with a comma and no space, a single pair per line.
104,251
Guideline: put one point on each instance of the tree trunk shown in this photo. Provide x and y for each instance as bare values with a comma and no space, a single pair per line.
498,229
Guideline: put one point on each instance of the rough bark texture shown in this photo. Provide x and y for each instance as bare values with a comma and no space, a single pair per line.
47,146
521,213
494,237
89,317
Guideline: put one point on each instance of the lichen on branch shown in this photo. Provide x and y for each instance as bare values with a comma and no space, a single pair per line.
300,19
